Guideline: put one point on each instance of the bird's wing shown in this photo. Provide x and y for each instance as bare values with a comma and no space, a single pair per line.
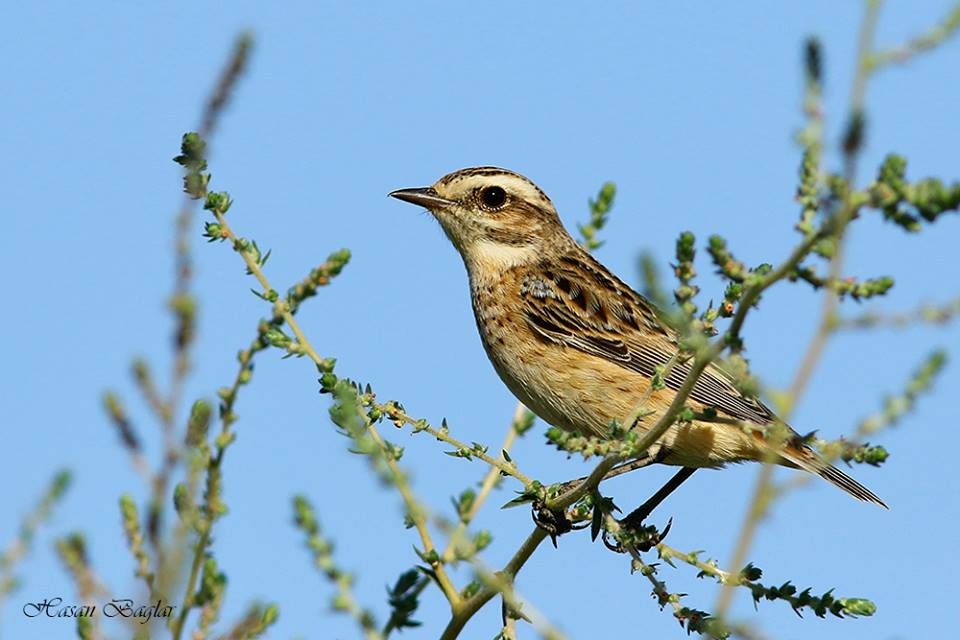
578,303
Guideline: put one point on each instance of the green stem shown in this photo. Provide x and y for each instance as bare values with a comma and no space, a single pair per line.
764,484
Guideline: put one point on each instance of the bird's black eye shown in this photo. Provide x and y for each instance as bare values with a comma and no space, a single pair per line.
493,197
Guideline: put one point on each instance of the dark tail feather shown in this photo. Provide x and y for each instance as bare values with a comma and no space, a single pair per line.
810,461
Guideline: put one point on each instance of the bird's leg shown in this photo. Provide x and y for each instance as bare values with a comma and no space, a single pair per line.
618,470
633,521
636,517
632,465
557,523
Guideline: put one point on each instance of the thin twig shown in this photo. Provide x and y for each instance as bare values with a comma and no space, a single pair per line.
900,54
937,314
764,486
400,481
183,306
489,482
499,464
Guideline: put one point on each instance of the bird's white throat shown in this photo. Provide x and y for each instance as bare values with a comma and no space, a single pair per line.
492,258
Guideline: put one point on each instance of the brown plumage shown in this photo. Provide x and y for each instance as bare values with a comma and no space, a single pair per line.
574,343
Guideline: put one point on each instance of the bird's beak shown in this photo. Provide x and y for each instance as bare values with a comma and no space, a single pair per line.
425,197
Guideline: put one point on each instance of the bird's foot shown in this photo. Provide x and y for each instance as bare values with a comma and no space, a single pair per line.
554,521
634,534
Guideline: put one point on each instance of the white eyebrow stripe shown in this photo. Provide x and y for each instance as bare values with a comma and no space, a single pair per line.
456,186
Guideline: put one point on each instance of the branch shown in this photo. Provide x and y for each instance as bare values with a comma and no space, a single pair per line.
489,481
836,226
306,520
924,42
218,204
32,521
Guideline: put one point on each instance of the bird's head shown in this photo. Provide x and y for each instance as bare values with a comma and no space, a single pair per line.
495,218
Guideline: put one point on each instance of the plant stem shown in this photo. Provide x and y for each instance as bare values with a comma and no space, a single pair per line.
474,604
400,480
764,484
499,464
489,481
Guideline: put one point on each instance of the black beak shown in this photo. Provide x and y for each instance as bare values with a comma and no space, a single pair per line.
425,197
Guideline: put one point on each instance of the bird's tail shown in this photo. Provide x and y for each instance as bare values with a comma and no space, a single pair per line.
808,460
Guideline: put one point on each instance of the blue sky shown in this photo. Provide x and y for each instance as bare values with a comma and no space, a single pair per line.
689,108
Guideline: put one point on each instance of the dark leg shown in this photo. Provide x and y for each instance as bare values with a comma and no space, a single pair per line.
627,467
556,523
645,538
636,517
618,470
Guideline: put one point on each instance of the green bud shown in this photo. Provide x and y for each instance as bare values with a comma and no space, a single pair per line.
181,499
195,184
218,202
61,482
192,152
482,539
854,134
213,231
128,508
525,423
223,440
198,423
813,61
276,338
858,606
685,246
751,572
340,602
270,614
464,503
472,589
327,382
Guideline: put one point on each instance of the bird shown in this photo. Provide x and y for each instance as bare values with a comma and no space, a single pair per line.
578,346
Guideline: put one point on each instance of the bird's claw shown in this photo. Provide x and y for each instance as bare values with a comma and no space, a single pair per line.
635,534
554,521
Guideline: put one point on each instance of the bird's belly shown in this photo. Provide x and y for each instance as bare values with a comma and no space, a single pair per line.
564,387
579,392
557,397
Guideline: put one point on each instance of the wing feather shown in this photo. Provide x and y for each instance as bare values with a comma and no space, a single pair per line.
578,303
592,311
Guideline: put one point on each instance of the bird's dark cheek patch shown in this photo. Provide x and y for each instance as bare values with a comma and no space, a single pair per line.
507,235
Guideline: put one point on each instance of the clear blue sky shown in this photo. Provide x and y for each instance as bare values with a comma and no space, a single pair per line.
689,108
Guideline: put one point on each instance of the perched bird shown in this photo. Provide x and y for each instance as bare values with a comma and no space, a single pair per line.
578,346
